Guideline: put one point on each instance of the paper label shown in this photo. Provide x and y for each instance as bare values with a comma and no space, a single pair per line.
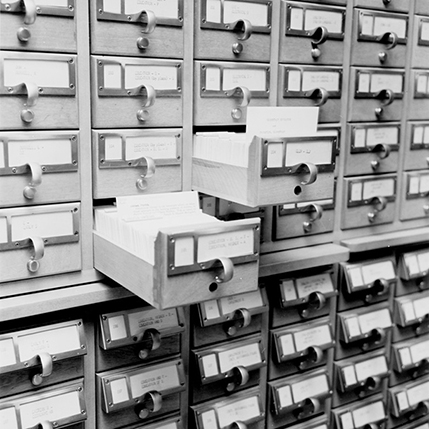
240,356
288,289
160,77
317,336
285,396
402,400
356,191
252,79
212,79
418,393
407,309
7,352
161,8
347,421
157,147
418,135
153,318
3,230
380,270
210,366
375,319
211,309
378,188
380,81
44,152
423,259
382,135
349,375
320,79
56,224
256,13
332,21
368,414
117,328
119,390
209,420
405,356
421,307
384,25
424,183
367,24
112,148
359,139
412,264
243,410
2,163
371,367
318,153
424,33
419,351
183,251
54,341
309,388
8,418
229,244
158,379
43,73
50,409
56,3
355,276
275,155
213,11
296,17
112,74
413,185
320,283
287,344
364,82
422,83
294,80
353,328
245,300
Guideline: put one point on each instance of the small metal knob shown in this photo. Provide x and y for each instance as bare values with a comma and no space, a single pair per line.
23,34
382,56
378,111
143,43
237,48
27,116
315,53
142,115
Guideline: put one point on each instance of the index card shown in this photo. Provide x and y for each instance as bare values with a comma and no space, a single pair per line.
278,122
332,21
256,13
210,367
368,414
160,319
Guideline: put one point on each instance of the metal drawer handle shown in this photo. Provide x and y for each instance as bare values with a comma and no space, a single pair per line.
319,35
313,355
240,319
383,151
146,17
310,167
307,407
148,171
227,272
148,91
47,364
151,335
389,39
379,204
240,377
243,28
150,402
377,336
45,425
237,425
316,213
33,263
372,425
36,179
320,95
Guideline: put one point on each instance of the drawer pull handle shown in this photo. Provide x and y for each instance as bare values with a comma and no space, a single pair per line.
386,96
32,90
45,425
146,17
36,179
227,272
377,336
306,408
241,319
240,377
389,39
33,263
311,169
148,171
245,93
316,301
148,91
46,362
243,28
320,95
153,337
379,287
382,151
23,34
420,410
379,204
237,425
369,385
316,213
312,355
150,402
30,11
319,35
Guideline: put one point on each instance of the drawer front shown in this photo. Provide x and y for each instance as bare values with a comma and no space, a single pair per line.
419,94
136,162
379,39
39,241
415,196
36,29
222,91
376,94
388,5
138,29
42,100
413,272
39,169
417,146
136,93
311,33
420,49
372,149
235,31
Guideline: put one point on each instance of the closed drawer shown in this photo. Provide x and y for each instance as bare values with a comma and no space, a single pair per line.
233,31
247,407
311,86
132,162
362,330
413,269
388,5
34,26
360,377
135,93
311,33
139,393
415,195
366,282
294,399
417,146
409,360
230,317
144,30
379,39
38,91
420,48
301,347
41,356
419,95
138,335
39,241
302,295
228,367
40,168
223,90
376,94
61,406
372,148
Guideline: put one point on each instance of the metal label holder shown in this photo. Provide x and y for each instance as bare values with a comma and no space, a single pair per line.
416,195
393,146
375,95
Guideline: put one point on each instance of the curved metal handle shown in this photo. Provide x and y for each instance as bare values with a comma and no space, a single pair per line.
45,425
315,212
316,301
227,272
237,425
36,179
46,361
240,377
38,244
148,171
145,17
27,115
307,407
389,39
312,355
386,96
151,402
320,94
151,335
319,36
30,12
379,204
310,167
148,90
244,29
382,150
246,95
241,319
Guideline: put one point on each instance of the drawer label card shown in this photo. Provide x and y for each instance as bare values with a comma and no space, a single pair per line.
424,31
157,379
378,188
256,13
332,21
421,307
119,390
159,319
161,8
320,79
312,152
412,264
371,367
310,387
208,419
243,410
418,393
402,400
8,418
379,270
355,276
287,344
51,409
394,82
241,356
375,319
420,135
288,289
384,25
160,77
210,366
313,337
347,421
368,414
157,147
245,300
112,76
285,396
378,135
319,283
423,259
252,79
405,356
117,327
